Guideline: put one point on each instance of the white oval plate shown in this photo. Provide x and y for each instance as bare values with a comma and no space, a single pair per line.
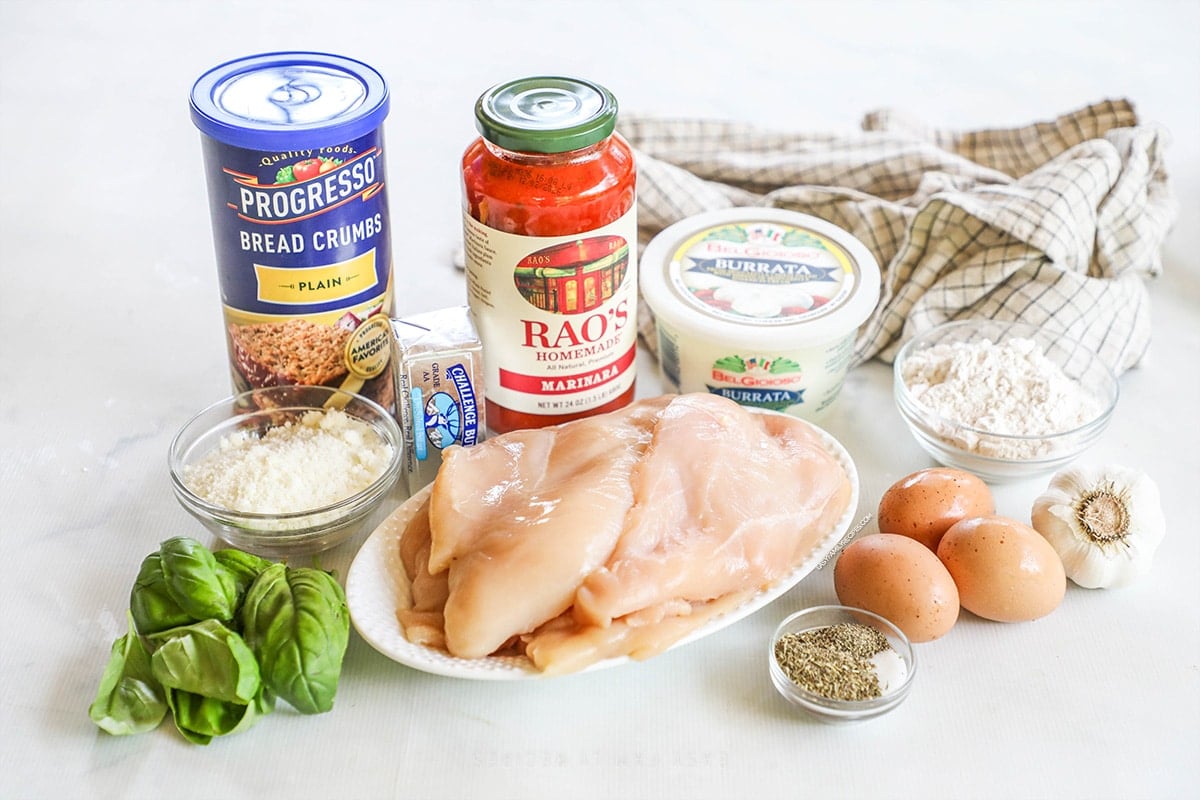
376,586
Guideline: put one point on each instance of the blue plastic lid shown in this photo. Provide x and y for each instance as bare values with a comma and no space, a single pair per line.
283,101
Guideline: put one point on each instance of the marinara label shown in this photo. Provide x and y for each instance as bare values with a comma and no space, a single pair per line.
304,260
558,313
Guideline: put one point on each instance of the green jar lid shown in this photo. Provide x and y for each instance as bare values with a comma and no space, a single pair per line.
546,114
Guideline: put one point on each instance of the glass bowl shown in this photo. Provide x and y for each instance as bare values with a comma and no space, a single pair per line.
998,457
894,681
305,530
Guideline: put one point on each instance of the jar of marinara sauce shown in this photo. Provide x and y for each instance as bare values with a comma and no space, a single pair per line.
550,239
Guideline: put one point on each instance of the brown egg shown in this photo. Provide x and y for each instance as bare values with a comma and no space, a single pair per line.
899,579
925,504
1004,570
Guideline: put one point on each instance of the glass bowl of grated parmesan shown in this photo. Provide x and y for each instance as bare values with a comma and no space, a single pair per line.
286,470
1002,400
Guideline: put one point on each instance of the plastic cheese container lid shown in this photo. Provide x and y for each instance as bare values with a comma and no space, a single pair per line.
281,101
759,277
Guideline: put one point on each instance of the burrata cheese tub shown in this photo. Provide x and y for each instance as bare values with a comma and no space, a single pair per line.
760,305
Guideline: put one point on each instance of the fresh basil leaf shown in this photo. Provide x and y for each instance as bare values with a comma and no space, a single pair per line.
129,699
206,658
199,718
200,585
243,567
298,625
153,607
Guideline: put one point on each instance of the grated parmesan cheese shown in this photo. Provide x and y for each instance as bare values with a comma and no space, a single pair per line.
323,457
1008,389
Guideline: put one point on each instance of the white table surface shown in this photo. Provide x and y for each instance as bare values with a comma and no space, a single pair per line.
110,337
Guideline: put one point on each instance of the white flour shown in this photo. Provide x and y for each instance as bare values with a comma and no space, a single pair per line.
1010,388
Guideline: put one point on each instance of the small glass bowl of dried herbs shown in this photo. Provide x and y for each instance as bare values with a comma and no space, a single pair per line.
841,663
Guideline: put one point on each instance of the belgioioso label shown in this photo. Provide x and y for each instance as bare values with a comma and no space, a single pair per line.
772,382
805,381
762,273
557,315
304,260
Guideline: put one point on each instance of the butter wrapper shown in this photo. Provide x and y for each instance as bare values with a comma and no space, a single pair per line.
439,387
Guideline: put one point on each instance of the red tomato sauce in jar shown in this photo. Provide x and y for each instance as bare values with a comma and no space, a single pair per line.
550,233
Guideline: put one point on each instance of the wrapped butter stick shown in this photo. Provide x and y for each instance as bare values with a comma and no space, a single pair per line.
439,387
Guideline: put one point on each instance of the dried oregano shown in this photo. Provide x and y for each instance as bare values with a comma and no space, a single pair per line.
833,661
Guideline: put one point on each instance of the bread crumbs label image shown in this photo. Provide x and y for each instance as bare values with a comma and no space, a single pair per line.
369,348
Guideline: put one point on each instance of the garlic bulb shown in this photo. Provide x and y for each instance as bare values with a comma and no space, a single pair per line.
1104,522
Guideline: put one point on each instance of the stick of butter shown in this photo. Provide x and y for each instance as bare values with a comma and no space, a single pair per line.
439,388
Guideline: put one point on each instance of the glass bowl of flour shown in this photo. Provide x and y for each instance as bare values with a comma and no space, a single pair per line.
286,470
1003,400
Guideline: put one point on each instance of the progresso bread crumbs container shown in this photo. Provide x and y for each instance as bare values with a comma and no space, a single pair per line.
294,159
759,305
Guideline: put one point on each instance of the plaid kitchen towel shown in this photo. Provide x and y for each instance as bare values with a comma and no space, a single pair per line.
1057,223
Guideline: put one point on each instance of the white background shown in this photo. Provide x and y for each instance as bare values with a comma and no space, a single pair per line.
111,336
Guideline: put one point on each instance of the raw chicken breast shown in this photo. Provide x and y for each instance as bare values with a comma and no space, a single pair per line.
519,520
723,502
563,646
615,535
422,619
